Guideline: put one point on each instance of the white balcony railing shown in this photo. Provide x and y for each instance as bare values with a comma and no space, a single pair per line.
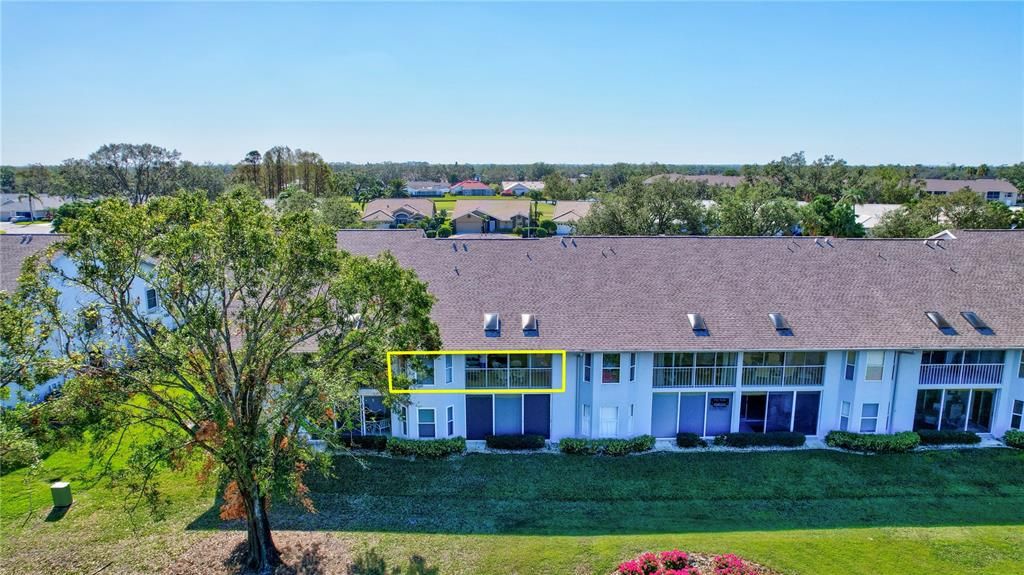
961,374
508,377
784,375
694,376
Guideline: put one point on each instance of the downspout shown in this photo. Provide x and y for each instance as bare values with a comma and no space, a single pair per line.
895,382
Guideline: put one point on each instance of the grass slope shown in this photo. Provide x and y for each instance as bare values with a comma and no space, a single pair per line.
802,512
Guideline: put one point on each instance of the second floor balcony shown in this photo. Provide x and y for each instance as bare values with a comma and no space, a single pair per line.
961,367
508,378
779,375
694,376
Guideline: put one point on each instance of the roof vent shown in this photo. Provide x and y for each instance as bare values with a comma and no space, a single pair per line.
780,323
977,323
940,322
700,329
492,325
530,326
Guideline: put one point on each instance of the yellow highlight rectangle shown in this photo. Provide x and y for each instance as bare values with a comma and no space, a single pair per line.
487,391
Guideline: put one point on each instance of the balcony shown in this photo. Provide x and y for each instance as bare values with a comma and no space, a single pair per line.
508,378
803,375
961,374
694,376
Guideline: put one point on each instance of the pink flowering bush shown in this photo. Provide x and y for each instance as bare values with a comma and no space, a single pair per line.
733,565
677,562
673,562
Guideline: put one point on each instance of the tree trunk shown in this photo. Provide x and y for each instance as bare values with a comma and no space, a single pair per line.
263,554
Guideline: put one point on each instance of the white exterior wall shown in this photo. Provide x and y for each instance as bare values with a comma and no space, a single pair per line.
895,394
71,300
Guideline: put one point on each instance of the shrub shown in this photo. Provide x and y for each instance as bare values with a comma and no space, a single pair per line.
531,232
444,231
895,443
430,233
690,440
373,442
616,447
426,448
549,226
1014,438
932,437
733,565
771,439
515,441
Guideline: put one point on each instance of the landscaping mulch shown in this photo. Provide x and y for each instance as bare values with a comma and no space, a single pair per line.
302,553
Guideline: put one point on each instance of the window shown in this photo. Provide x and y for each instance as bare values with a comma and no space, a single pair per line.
1020,370
585,419
609,421
1017,415
448,363
875,365
869,418
610,367
450,413
844,416
954,409
426,423
630,429
632,367
404,416
851,364
588,360
992,196
151,300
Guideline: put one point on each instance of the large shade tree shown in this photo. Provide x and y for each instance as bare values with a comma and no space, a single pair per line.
266,329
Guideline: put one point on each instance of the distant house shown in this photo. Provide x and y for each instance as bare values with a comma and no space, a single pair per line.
709,179
471,188
17,205
391,212
520,188
490,216
567,214
991,189
415,189
868,215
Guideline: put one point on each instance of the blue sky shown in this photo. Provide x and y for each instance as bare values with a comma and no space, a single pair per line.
680,83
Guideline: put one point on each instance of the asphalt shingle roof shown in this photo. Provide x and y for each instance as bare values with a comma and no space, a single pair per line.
15,249
633,293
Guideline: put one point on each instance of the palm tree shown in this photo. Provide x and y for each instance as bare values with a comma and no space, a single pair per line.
853,196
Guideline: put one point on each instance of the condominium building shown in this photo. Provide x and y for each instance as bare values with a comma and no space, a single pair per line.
709,335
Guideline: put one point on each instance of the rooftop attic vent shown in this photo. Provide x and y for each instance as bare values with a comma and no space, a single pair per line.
492,325
977,323
700,329
530,326
780,323
940,322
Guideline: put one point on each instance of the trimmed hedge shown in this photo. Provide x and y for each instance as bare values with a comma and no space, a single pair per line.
771,439
1014,438
372,442
933,437
581,446
426,448
531,232
515,442
901,442
686,440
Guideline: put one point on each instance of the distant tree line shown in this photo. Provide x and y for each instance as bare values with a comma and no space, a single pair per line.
764,204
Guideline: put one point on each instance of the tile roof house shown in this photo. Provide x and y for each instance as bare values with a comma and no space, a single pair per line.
489,216
520,188
12,205
709,179
992,190
718,334
418,188
389,212
471,188
567,213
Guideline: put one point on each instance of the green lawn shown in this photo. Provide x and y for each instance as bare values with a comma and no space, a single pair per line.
801,512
